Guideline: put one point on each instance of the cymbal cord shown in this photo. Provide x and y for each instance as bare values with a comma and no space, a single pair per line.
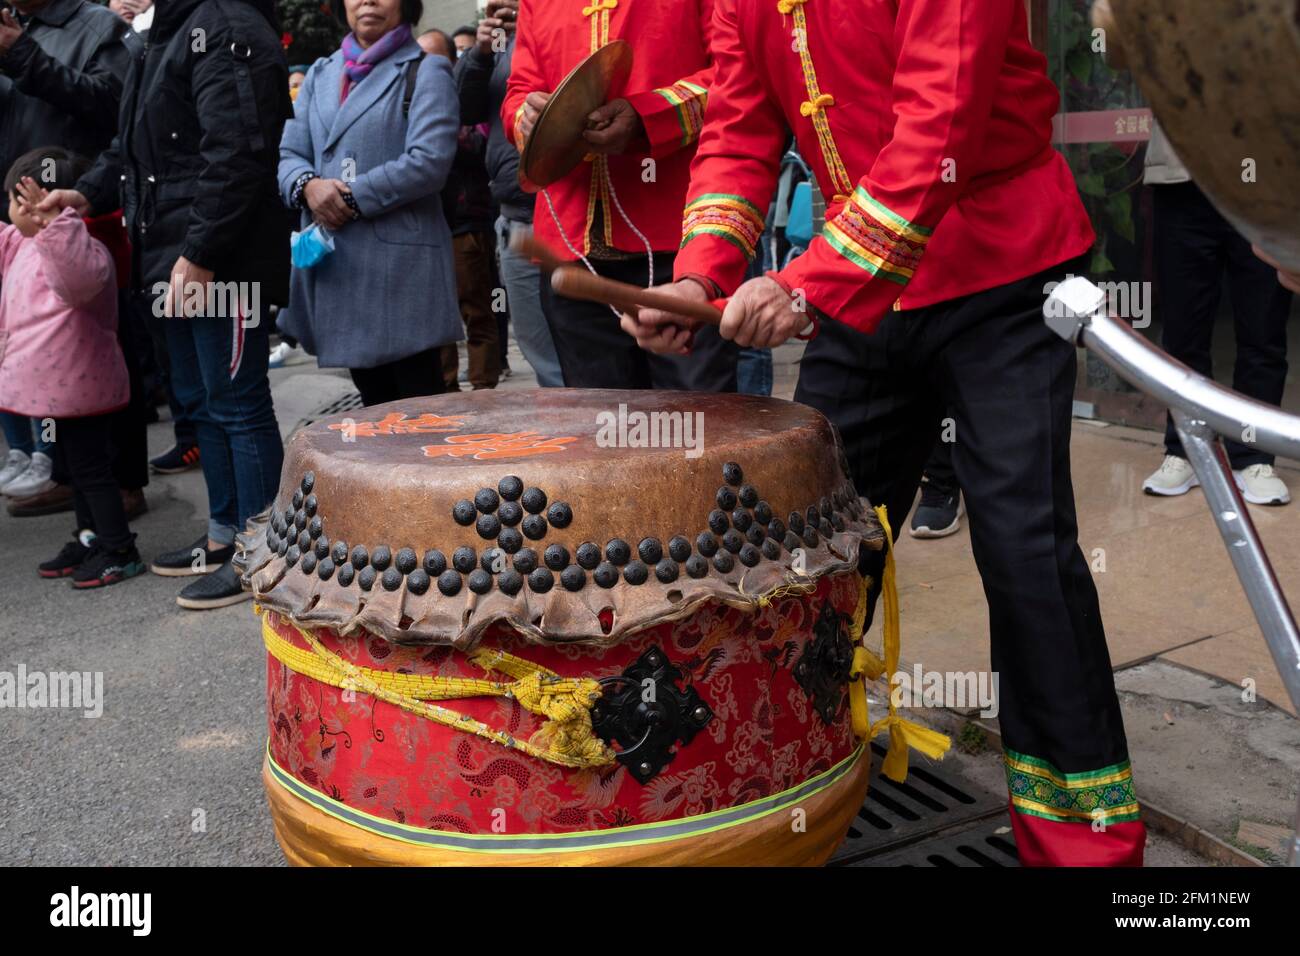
613,195
650,255
546,194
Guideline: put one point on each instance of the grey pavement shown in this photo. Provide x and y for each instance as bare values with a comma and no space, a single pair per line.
169,774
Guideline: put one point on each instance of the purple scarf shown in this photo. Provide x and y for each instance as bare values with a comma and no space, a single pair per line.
358,62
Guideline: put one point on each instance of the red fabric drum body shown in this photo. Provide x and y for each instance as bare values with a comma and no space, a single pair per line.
617,627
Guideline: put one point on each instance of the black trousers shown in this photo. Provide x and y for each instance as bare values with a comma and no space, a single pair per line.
410,377
595,353
1195,247
1008,381
127,427
86,448
130,425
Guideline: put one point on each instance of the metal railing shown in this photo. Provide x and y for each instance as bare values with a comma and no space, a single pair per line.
1202,410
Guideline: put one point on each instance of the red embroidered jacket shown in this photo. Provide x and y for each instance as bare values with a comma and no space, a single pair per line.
928,126
668,84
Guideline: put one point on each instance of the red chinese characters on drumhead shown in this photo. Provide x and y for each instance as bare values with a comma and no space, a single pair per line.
484,446
397,423
490,446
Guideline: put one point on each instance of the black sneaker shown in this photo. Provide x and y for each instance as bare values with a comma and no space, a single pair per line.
939,513
68,559
103,567
176,460
196,559
218,589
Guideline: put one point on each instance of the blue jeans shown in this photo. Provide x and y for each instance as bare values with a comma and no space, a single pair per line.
18,431
524,295
754,372
218,374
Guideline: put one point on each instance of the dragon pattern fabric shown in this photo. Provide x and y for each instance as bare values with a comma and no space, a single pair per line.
765,736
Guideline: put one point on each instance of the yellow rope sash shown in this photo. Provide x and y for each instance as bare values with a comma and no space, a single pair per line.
903,733
598,13
566,738
818,101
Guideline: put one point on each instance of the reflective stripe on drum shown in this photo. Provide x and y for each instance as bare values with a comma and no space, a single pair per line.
660,832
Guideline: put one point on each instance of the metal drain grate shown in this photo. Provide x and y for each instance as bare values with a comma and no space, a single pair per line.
349,402
928,806
977,846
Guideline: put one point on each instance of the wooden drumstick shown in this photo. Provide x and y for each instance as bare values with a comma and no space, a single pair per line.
577,283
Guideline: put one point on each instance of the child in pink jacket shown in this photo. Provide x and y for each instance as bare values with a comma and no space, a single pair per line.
60,361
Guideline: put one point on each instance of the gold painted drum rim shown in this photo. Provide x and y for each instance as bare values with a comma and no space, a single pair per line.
310,836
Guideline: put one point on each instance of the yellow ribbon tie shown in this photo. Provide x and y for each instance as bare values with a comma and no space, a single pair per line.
785,7
903,733
866,666
598,6
817,105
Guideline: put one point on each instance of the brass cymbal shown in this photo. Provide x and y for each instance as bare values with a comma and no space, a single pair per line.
556,145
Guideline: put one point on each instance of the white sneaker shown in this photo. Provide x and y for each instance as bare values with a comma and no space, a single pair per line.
34,479
286,354
1174,477
16,463
1260,485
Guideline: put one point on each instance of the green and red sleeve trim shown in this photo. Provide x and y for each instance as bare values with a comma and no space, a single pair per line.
672,115
876,239
855,270
730,217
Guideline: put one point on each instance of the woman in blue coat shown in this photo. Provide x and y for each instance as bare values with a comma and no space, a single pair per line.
366,156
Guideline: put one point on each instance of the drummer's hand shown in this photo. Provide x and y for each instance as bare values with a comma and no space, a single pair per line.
612,128
1289,280
762,315
534,103
666,333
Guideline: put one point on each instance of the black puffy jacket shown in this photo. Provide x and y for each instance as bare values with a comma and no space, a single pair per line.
481,83
61,81
195,158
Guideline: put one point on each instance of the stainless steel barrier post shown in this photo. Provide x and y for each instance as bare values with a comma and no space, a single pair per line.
1202,411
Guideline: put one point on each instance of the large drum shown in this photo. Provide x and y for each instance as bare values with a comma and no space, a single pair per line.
565,627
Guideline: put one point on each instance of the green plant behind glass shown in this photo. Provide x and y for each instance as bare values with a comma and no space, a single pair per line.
1106,174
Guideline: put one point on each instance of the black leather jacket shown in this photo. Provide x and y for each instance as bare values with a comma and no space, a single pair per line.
481,82
61,81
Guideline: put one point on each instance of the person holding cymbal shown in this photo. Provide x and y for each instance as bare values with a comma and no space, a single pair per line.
619,211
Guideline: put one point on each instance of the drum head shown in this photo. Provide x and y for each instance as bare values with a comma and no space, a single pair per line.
568,514
556,146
